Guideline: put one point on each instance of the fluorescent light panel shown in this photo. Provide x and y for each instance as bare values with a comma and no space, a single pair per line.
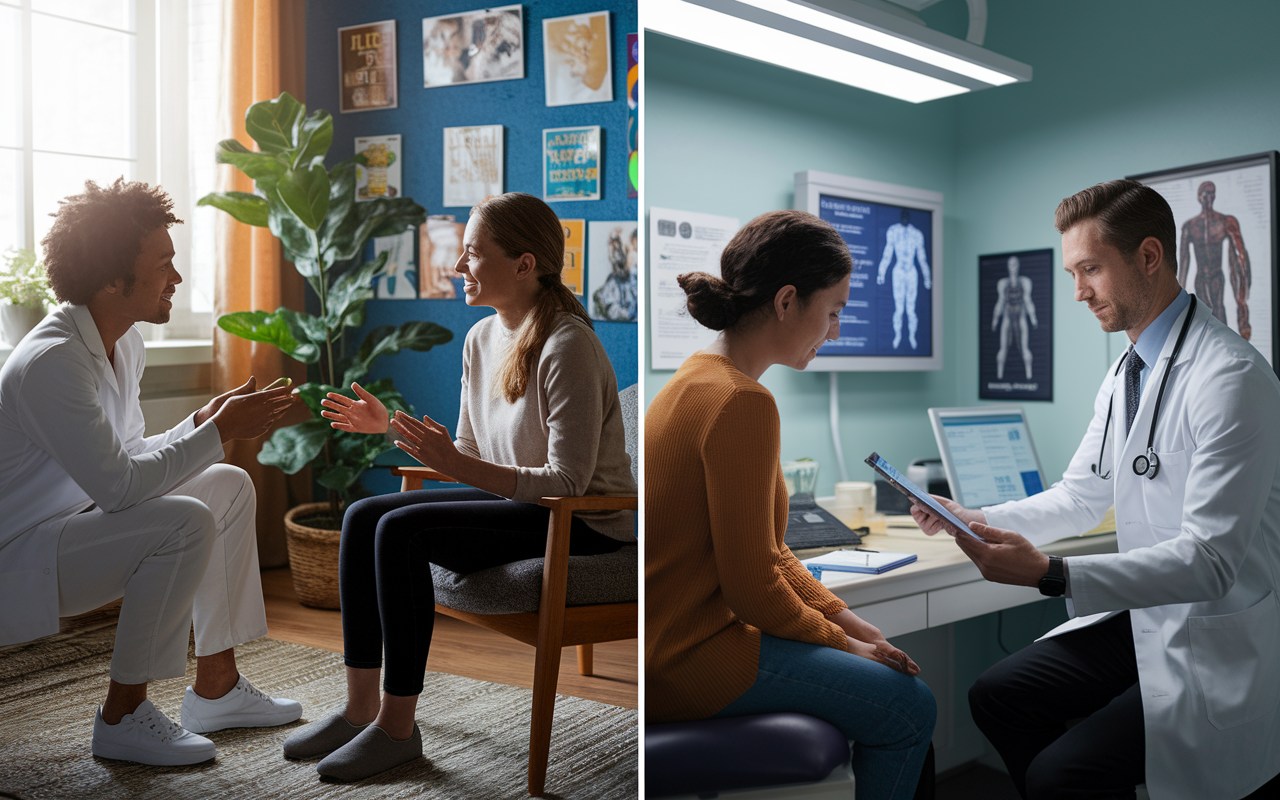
762,43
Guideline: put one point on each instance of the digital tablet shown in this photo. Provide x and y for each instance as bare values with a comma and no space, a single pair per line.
899,481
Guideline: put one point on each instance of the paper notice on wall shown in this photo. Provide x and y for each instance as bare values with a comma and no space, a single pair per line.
680,242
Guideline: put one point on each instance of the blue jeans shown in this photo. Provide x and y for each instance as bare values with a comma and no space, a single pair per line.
888,715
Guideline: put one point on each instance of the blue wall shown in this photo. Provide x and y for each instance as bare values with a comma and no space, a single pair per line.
430,381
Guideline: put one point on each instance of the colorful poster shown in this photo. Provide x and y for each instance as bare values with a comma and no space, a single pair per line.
377,167
473,47
399,281
612,270
1015,326
367,63
440,247
571,159
575,57
633,115
472,164
574,252
680,242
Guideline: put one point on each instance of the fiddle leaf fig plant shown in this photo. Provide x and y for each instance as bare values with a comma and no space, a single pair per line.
324,231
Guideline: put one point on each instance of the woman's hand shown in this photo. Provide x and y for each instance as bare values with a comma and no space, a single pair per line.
427,441
365,414
882,652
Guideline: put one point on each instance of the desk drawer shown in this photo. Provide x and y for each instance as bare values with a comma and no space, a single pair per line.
896,617
975,599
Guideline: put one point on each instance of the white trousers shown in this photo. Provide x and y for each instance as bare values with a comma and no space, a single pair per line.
194,547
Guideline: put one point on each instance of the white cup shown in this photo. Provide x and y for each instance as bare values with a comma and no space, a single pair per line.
856,493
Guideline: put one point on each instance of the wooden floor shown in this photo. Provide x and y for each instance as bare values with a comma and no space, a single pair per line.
463,649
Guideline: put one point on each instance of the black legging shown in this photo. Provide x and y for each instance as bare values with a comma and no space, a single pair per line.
384,567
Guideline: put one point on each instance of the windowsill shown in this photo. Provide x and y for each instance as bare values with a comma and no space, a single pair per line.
164,353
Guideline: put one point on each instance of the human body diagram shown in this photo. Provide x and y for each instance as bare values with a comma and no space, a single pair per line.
1012,312
906,242
1203,234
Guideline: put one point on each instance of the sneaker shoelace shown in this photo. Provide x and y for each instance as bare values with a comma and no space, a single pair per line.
159,726
253,691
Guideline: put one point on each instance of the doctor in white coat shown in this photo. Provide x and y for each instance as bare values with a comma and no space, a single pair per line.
1172,655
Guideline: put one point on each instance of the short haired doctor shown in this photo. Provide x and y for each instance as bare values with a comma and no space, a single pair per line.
1172,655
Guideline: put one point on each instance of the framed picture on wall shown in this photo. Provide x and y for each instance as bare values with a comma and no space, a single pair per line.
576,59
473,47
575,234
367,66
399,281
440,247
472,164
1225,213
633,115
377,167
571,163
1015,326
612,276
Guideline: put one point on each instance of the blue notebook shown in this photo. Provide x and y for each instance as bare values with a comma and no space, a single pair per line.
874,562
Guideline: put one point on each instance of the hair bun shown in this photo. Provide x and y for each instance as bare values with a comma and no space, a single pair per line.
710,300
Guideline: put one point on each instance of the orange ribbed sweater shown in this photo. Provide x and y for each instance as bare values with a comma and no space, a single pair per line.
716,570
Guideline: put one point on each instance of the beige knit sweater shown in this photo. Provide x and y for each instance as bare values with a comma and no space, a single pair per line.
716,570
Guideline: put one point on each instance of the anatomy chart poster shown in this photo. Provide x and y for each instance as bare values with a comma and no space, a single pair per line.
890,308
1015,326
1224,219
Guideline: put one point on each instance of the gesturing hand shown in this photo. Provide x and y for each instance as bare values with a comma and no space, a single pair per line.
247,414
365,414
427,441
882,652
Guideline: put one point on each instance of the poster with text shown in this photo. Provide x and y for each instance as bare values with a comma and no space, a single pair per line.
377,167
1015,326
633,115
571,163
439,247
472,164
367,63
473,47
574,253
612,274
575,54
399,281
680,242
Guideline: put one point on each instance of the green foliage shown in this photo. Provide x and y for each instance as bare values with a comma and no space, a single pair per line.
312,211
23,281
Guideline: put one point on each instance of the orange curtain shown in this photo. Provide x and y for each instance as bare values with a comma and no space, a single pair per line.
264,49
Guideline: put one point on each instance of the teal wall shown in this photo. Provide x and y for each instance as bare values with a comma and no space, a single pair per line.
1119,88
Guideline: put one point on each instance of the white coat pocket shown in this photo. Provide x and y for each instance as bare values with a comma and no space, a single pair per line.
1162,495
1235,658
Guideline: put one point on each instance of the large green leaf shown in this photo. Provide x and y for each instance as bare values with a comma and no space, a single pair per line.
339,477
305,327
380,217
294,447
348,293
305,192
271,328
312,393
273,123
248,208
299,241
265,169
342,195
315,134
389,339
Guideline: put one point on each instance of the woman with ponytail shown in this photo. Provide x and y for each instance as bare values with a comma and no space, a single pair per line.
734,624
540,417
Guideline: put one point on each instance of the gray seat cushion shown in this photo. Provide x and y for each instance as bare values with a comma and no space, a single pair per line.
517,587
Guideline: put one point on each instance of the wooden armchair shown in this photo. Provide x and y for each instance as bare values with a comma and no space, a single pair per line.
552,602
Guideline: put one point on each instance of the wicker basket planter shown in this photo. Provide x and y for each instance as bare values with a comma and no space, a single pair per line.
313,557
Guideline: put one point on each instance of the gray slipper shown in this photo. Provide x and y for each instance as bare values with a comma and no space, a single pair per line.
321,738
371,752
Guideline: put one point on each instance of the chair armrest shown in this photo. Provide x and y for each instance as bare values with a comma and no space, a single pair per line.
411,478
591,502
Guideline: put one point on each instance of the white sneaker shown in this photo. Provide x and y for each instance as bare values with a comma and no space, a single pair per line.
147,736
243,707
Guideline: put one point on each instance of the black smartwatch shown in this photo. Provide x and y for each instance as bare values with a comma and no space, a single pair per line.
1054,582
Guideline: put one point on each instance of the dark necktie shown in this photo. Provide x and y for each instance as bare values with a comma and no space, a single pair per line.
1132,387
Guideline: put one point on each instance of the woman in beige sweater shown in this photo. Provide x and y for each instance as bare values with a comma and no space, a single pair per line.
734,624
539,417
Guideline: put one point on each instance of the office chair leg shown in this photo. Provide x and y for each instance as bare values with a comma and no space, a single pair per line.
584,659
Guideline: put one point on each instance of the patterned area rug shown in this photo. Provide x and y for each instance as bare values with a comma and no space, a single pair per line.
475,734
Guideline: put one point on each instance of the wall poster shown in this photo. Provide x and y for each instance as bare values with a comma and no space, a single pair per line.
439,247
472,164
473,47
574,254
1225,213
612,274
571,163
1015,326
575,55
367,63
680,242
399,281
377,167
633,115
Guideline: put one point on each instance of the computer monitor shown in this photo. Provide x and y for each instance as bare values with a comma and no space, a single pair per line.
893,320
987,453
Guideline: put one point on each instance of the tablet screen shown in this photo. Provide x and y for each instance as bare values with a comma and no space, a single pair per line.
900,482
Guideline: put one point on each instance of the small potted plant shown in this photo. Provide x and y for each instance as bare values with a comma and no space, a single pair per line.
24,284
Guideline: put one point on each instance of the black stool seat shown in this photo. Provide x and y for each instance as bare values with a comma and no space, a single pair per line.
740,753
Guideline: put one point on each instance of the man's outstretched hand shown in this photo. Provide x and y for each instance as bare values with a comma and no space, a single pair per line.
244,413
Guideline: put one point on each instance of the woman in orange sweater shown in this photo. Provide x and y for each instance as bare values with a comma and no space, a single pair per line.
734,624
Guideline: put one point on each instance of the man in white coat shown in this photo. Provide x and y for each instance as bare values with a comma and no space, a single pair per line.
92,511
1172,655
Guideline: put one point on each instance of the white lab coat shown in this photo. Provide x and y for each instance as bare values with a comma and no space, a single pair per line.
1199,560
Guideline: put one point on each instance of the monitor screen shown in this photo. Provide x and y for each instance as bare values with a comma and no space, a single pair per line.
987,453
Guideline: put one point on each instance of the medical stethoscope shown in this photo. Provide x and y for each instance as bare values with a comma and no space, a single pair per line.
1148,464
